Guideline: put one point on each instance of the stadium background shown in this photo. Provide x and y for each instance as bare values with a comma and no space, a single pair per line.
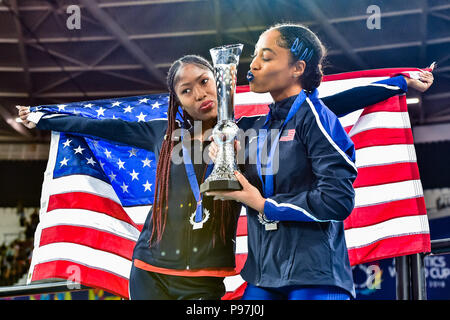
125,48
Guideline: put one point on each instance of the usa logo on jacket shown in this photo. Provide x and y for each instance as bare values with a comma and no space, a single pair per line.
287,135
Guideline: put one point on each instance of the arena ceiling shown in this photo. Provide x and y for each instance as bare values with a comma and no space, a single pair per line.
124,48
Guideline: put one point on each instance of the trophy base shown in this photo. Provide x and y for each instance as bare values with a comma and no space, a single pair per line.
220,185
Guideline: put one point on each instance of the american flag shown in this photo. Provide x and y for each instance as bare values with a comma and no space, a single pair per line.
95,198
288,135
96,194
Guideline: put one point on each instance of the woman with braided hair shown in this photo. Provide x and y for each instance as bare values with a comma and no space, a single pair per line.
178,256
186,246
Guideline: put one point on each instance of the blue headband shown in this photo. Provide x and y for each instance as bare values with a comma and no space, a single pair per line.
297,46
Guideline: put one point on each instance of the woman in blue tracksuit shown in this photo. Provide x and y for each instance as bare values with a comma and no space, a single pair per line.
297,186
186,263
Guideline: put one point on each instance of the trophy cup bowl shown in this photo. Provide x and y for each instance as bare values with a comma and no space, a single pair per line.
222,178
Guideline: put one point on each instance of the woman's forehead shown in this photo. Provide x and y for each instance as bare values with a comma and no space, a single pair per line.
268,40
189,72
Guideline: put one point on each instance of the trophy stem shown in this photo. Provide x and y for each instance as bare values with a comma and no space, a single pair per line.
222,177
225,61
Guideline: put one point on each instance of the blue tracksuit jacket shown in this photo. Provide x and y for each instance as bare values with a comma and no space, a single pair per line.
313,194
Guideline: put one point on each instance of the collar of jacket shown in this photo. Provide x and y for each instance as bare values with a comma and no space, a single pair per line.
280,109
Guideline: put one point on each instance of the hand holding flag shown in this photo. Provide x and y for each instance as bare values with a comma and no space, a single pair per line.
23,114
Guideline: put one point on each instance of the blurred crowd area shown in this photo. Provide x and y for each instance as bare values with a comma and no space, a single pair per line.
15,255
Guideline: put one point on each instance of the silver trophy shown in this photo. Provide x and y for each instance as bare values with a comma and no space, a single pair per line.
225,60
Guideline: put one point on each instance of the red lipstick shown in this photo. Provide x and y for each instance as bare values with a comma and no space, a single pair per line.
206,105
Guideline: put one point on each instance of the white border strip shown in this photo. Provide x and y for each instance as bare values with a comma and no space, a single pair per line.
326,88
90,219
382,155
82,183
359,237
233,282
88,184
384,86
366,196
138,213
350,119
241,245
83,255
380,120
252,98
48,176
293,207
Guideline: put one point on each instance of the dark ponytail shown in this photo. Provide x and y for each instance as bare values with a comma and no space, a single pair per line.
303,44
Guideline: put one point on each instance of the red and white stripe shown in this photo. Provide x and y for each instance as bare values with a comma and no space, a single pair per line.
85,235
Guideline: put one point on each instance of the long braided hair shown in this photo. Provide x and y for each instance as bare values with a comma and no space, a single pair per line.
222,209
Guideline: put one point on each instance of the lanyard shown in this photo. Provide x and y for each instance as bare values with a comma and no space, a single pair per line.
262,137
190,172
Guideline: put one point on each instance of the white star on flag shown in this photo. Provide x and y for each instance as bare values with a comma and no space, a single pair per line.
91,161
132,152
141,117
79,150
134,175
124,187
61,107
156,105
112,176
101,112
146,162
107,153
147,186
64,162
128,109
121,163
67,143
143,100
116,104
